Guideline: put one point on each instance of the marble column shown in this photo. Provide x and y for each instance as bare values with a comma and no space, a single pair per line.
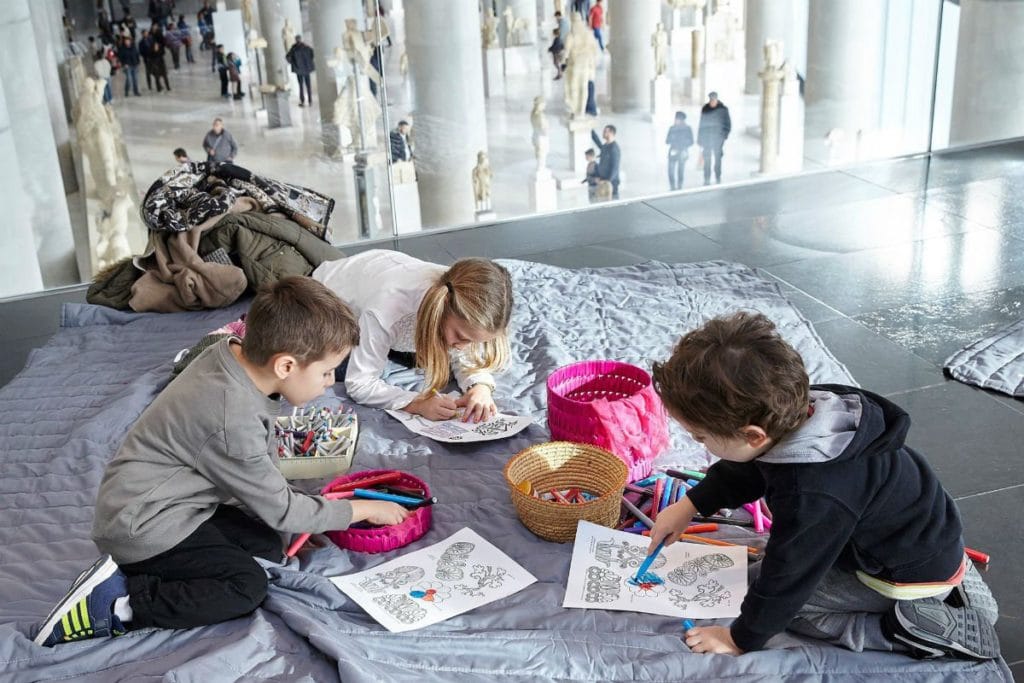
845,52
29,115
632,57
327,21
988,84
19,267
784,20
46,25
272,15
448,105
522,9
771,78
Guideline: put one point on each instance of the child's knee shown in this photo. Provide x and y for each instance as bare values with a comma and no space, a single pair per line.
249,585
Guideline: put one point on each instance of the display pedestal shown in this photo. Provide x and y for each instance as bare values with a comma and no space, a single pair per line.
543,191
494,67
406,197
369,173
485,216
579,142
661,98
276,103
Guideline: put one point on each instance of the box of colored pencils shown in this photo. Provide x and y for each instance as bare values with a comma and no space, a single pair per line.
316,442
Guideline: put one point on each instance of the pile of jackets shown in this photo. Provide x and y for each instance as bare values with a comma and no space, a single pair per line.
215,232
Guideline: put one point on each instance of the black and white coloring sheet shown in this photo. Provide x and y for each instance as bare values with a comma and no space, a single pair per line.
438,582
699,581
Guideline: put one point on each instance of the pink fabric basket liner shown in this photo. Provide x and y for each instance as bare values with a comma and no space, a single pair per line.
612,405
383,538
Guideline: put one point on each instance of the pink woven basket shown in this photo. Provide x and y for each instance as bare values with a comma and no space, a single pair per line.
383,538
612,405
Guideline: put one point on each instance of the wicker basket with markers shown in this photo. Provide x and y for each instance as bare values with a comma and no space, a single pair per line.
317,442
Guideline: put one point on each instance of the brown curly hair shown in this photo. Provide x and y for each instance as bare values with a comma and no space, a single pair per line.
735,371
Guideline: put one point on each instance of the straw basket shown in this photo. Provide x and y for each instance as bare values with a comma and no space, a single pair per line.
612,405
562,465
383,538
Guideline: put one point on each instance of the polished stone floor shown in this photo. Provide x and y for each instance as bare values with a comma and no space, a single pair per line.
897,264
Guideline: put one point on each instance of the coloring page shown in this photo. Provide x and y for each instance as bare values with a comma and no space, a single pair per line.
456,431
430,585
699,581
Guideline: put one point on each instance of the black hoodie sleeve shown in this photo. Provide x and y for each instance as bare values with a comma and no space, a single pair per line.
809,531
727,485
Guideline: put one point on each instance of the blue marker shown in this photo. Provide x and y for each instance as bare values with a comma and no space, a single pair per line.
666,496
687,625
394,498
642,573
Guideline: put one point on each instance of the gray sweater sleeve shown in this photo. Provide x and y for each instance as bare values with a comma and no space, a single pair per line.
245,470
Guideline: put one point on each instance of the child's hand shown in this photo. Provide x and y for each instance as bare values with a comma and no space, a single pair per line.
671,522
711,639
433,407
478,403
379,512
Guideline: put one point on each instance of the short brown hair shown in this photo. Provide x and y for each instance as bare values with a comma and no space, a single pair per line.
301,317
735,371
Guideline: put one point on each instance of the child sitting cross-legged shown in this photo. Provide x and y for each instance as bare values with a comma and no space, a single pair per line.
169,511
866,547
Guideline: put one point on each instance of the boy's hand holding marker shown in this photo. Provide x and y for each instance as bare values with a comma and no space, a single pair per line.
378,512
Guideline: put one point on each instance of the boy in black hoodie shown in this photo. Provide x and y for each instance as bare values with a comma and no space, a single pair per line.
866,548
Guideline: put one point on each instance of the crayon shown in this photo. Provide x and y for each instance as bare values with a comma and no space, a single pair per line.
636,513
659,491
386,478
977,555
715,541
667,493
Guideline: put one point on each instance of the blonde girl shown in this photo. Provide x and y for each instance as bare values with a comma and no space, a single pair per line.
452,319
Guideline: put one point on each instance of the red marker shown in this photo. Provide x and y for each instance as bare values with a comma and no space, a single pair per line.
977,555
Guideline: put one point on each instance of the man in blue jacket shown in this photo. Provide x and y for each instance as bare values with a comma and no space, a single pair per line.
300,56
611,155
712,133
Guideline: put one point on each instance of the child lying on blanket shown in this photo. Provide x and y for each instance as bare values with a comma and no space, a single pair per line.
866,548
180,550
441,316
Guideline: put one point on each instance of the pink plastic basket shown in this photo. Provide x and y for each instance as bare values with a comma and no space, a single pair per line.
612,405
383,538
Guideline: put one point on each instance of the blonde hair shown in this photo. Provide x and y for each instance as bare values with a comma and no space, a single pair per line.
477,291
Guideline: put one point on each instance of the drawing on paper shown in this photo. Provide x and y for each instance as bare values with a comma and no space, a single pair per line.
496,427
401,607
486,577
603,585
435,583
691,571
645,589
702,582
453,561
394,578
709,594
623,554
456,431
430,591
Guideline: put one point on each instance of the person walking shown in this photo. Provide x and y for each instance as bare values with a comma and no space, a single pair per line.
220,61
611,156
128,55
158,64
597,22
679,141
401,147
712,133
146,54
219,144
300,57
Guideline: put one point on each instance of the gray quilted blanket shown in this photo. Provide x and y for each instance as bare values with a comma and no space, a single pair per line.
995,362
66,413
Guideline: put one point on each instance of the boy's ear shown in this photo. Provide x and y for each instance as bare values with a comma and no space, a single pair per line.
283,365
755,436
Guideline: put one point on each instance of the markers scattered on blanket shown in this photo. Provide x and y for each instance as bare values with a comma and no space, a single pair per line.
685,474
637,513
715,541
687,625
977,555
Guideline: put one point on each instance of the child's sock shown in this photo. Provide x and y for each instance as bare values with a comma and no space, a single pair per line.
123,609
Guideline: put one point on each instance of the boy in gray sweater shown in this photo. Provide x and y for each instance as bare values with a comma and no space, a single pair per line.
169,510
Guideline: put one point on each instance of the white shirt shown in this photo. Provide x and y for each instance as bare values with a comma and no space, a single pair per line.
384,290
